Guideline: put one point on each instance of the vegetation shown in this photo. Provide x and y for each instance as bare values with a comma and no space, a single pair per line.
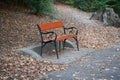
70,2
38,6
88,5
46,6
116,7
93,5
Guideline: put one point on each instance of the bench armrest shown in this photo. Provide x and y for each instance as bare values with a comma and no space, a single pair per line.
71,30
49,36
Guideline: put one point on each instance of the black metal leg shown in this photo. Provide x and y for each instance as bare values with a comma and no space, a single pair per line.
41,49
64,44
77,43
59,46
56,49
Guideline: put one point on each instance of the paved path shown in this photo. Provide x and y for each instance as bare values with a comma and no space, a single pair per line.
97,65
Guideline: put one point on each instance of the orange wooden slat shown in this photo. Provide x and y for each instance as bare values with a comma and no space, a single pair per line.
51,25
63,37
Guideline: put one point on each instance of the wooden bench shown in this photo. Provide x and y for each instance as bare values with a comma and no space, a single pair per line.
52,37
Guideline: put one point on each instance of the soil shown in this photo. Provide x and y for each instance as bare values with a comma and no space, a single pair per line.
18,29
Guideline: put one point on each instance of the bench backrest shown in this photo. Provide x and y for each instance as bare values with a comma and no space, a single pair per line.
50,25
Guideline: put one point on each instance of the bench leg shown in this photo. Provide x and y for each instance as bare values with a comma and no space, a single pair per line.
55,44
41,49
77,43
64,44
59,46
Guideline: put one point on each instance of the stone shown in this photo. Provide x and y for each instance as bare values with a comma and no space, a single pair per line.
107,16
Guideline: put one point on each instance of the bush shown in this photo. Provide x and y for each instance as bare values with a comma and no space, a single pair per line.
116,7
93,5
41,6
70,2
89,5
38,6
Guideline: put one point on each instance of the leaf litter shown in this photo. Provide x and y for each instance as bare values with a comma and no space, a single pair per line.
18,29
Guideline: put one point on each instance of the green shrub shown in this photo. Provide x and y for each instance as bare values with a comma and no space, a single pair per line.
89,5
70,2
38,6
82,4
41,6
116,6
93,5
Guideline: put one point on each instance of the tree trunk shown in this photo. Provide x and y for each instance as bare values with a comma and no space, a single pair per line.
107,16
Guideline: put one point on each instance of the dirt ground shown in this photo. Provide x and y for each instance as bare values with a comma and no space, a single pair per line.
18,29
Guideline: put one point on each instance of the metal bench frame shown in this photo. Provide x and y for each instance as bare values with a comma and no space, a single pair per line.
53,37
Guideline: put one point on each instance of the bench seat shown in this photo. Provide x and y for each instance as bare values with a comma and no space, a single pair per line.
60,38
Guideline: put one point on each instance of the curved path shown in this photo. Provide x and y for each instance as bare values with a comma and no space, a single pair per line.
78,17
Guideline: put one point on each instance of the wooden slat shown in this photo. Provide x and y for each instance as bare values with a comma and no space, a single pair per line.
51,25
